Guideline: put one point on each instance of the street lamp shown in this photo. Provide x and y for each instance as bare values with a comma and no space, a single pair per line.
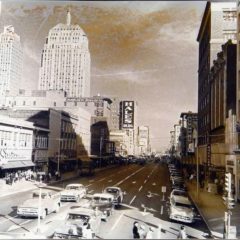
39,204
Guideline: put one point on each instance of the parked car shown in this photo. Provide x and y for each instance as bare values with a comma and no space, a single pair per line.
181,209
76,220
117,194
73,192
103,202
50,202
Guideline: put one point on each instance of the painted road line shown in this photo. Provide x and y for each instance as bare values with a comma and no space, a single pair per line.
110,180
88,185
145,181
134,182
6,219
116,223
91,180
128,177
162,210
140,188
101,179
27,221
132,200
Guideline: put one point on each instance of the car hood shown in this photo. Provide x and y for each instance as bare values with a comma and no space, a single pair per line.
30,203
185,211
64,228
69,192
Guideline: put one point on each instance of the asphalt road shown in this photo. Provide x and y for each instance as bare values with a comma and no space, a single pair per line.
136,180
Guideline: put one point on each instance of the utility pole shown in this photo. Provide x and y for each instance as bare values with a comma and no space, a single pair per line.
100,150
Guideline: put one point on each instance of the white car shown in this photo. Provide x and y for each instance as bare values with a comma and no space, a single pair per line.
117,194
50,202
73,192
181,209
76,221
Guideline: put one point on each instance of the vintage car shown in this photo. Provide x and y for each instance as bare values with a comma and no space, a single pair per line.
76,221
50,202
103,202
73,192
117,194
181,209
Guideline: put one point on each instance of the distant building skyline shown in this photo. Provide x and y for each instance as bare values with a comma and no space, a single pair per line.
65,62
11,61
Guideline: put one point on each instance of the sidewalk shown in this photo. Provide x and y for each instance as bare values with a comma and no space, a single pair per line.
24,186
211,207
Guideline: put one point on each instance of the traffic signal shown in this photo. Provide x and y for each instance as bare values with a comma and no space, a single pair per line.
228,182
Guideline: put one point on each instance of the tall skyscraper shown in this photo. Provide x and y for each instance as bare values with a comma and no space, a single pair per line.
11,60
65,63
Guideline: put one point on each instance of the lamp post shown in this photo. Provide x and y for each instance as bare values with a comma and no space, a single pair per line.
39,204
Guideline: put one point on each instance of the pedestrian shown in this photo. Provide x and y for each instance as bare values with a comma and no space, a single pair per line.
135,230
49,176
16,177
56,175
182,233
142,232
87,232
149,234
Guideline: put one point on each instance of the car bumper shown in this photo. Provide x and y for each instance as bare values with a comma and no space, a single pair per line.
181,218
68,198
28,213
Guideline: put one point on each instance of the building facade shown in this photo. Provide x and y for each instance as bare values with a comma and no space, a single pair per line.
217,27
65,62
16,145
143,140
11,61
187,136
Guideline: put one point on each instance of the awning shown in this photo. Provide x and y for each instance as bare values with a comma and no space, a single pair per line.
18,164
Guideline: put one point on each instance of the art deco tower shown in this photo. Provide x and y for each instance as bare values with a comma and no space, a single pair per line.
65,63
11,61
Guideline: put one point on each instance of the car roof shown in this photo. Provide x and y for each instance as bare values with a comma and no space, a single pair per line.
104,195
75,185
118,188
181,199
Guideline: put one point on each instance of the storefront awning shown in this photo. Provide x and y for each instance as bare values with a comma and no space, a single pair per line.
18,164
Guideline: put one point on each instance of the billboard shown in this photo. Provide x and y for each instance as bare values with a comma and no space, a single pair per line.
128,114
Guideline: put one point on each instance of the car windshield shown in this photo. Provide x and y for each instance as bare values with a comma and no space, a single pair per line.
180,193
101,200
112,190
73,187
84,218
178,204
36,195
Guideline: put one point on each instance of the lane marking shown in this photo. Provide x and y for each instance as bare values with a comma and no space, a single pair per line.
128,177
145,181
140,188
91,180
27,221
101,179
162,210
9,219
132,200
88,185
134,182
116,223
110,180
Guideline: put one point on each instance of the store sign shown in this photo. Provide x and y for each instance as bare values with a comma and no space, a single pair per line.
19,154
128,114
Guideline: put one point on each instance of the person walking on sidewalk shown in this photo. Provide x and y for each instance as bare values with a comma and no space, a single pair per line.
182,233
135,230
149,234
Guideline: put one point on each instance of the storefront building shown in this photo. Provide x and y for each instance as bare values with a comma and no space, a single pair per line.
15,145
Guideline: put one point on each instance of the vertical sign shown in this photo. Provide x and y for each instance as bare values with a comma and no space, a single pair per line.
128,114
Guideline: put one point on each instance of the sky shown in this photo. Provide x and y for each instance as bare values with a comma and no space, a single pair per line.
140,50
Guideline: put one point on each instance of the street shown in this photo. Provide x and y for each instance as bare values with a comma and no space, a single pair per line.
142,185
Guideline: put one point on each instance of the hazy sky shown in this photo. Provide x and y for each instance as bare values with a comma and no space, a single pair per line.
145,51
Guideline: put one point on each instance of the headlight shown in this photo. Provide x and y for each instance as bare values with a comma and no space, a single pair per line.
105,212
